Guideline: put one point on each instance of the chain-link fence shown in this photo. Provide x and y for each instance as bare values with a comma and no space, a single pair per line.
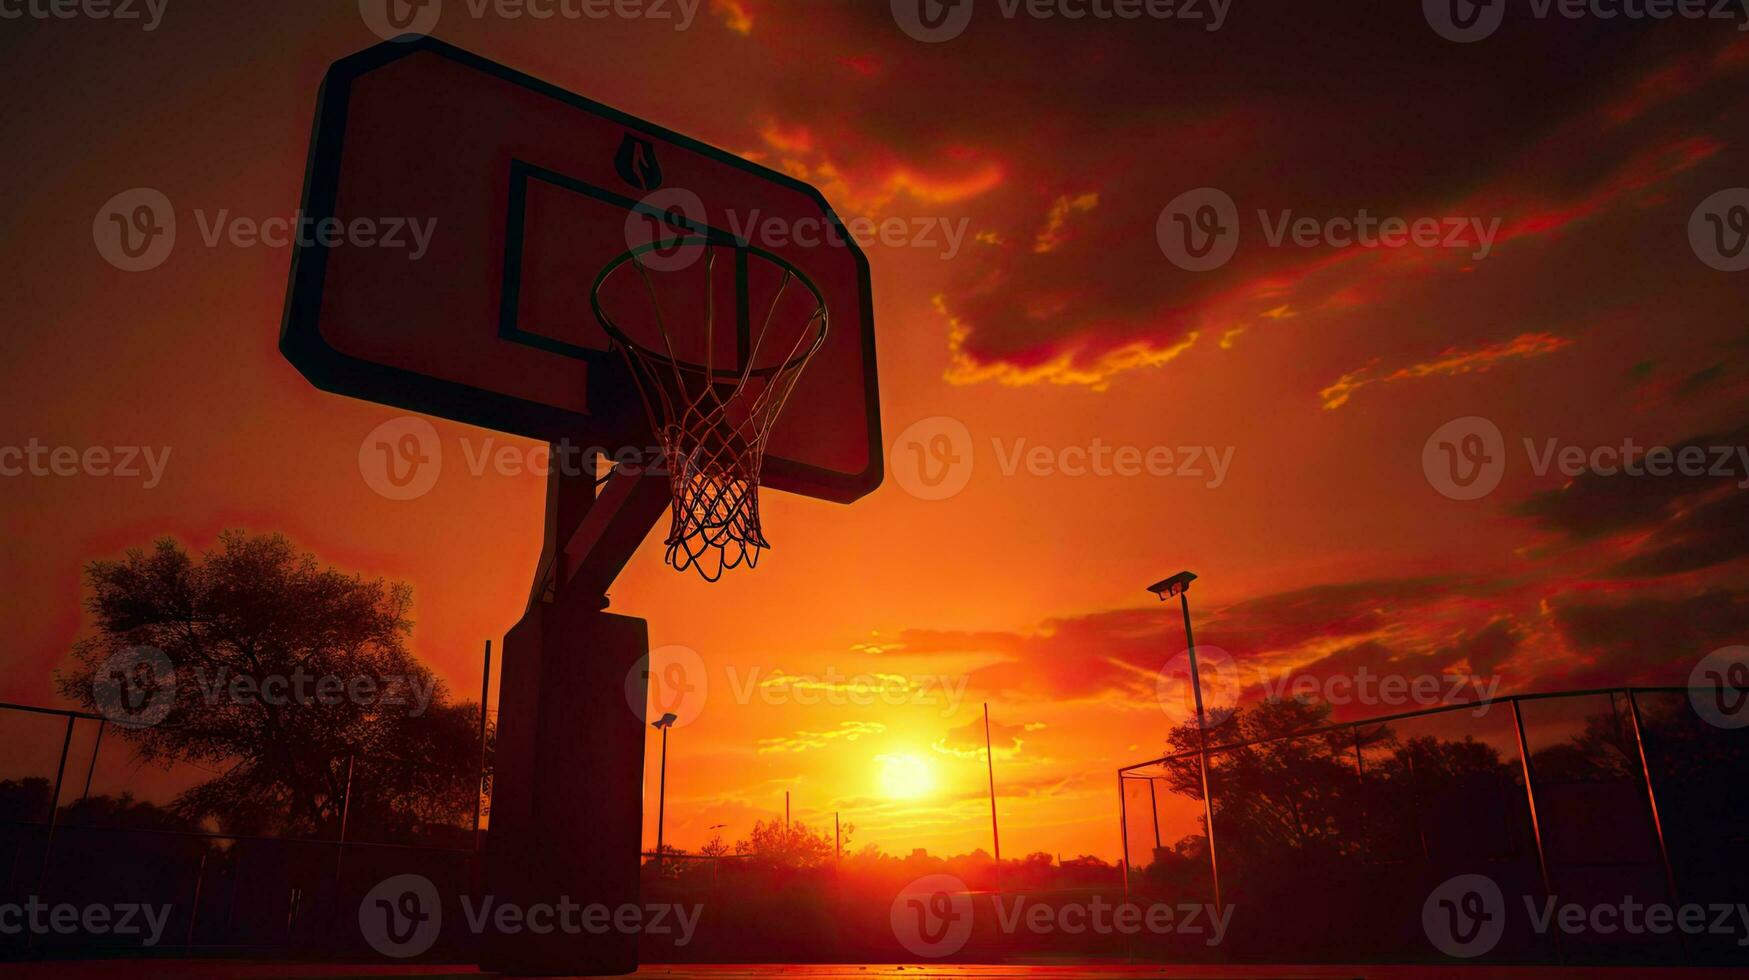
86,826
1606,825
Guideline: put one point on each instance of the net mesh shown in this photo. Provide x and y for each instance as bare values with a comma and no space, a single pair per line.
712,424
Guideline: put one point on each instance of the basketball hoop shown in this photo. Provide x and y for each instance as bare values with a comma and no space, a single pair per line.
713,422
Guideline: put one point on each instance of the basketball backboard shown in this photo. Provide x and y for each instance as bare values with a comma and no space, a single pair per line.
533,191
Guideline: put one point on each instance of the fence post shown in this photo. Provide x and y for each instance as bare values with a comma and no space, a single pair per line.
55,807
1536,830
194,906
95,746
1154,805
1652,801
340,848
1123,822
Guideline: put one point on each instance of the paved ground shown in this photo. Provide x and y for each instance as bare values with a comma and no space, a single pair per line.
255,970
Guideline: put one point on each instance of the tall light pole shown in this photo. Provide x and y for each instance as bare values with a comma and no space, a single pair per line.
1179,586
990,766
662,725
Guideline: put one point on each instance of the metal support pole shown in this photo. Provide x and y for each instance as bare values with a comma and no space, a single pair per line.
1154,806
480,795
661,800
345,815
990,767
1652,801
55,806
1536,829
92,769
42,875
194,904
1202,752
1123,823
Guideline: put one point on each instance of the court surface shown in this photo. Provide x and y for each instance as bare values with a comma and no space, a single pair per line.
257,970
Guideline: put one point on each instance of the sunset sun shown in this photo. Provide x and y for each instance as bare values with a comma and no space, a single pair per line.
905,777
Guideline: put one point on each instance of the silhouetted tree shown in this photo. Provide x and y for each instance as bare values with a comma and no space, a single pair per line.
24,800
779,845
284,670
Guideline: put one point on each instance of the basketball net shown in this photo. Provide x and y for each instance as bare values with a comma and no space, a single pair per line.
713,423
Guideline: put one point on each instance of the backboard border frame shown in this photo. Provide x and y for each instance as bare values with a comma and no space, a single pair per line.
301,341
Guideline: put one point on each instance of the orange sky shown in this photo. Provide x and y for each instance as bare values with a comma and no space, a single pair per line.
1318,373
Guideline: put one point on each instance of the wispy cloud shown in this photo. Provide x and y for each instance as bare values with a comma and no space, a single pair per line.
1449,362
803,741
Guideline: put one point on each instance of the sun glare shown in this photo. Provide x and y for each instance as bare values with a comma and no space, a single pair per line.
905,777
